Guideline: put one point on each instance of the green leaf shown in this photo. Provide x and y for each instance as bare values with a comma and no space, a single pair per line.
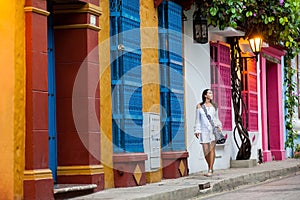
249,13
281,21
233,10
270,19
287,44
213,11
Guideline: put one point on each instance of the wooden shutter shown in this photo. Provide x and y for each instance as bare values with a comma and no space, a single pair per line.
249,93
221,81
126,76
171,76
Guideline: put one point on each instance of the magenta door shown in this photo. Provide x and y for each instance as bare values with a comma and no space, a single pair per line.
272,105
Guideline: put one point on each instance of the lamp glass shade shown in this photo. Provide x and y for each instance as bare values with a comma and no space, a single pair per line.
255,44
200,29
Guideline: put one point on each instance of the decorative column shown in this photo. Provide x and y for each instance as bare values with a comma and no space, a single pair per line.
12,101
38,183
105,95
267,156
78,98
151,88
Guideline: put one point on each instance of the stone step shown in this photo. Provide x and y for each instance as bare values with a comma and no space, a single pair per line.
63,191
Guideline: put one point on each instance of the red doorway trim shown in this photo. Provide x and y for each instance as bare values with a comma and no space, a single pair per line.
271,97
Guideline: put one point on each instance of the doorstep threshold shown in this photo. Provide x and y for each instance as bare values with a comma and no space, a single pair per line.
62,188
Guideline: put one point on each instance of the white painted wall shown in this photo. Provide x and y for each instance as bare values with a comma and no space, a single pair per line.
257,143
197,78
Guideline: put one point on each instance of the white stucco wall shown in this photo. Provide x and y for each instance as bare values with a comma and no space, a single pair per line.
197,78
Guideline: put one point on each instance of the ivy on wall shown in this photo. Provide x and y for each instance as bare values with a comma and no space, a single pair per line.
277,22
291,101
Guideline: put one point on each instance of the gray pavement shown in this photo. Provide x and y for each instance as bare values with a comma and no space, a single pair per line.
188,187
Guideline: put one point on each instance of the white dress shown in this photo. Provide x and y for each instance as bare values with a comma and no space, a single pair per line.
203,126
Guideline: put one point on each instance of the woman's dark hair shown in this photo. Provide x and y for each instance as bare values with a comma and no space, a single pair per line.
204,93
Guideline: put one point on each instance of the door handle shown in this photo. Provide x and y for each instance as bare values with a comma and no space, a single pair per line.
121,47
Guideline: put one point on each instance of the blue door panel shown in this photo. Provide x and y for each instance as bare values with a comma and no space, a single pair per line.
52,142
172,86
126,76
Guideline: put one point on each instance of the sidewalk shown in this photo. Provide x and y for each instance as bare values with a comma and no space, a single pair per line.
188,187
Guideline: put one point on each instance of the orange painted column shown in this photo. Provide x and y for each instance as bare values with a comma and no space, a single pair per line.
38,183
105,95
12,101
77,90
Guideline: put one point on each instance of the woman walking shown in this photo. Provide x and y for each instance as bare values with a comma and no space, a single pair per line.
203,129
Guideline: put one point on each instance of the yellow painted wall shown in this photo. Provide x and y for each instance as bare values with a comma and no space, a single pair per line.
105,95
12,101
150,66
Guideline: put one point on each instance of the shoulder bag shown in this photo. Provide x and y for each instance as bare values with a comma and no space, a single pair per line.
220,138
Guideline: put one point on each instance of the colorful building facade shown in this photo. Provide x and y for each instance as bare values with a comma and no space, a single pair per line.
102,94
85,104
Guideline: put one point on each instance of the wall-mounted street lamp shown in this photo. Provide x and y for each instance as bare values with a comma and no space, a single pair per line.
200,28
255,45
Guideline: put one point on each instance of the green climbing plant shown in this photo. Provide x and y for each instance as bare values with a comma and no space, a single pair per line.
277,22
290,102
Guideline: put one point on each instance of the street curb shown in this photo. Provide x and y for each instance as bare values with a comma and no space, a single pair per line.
223,185
193,186
249,179
180,194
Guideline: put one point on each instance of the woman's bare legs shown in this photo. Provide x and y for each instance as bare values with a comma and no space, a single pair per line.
205,147
212,155
209,153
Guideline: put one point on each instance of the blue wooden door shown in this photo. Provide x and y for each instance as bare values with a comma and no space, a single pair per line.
171,76
126,76
51,99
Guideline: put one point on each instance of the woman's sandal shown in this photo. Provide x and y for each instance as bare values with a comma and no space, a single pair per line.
209,174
